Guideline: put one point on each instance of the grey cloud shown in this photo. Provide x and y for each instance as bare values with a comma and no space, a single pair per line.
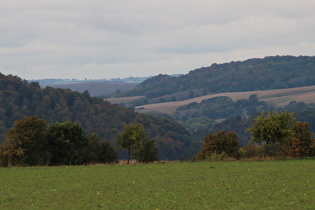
137,37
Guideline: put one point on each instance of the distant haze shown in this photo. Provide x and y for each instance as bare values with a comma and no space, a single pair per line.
110,39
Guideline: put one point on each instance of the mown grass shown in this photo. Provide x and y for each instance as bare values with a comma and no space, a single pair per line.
184,185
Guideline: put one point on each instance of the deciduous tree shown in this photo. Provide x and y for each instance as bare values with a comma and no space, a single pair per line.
25,143
301,139
272,127
133,138
131,134
67,144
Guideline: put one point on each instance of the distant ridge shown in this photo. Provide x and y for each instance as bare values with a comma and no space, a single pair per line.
272,72
53,82
100,89
97,87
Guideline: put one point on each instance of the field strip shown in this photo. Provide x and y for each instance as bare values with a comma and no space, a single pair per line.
124,99
279,97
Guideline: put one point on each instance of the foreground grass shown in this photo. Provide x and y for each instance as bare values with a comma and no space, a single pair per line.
183,185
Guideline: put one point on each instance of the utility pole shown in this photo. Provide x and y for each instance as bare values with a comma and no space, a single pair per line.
24,73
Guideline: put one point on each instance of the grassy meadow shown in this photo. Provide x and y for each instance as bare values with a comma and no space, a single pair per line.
283,184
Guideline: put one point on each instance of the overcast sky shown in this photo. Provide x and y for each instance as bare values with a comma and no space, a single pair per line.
98,39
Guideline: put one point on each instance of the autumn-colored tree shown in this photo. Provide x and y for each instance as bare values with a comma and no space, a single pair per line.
10,151
301,139
219,142
25,143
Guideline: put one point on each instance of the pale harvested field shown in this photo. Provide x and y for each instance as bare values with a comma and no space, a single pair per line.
278,97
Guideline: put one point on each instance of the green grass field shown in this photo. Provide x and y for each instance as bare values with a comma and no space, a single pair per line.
287,184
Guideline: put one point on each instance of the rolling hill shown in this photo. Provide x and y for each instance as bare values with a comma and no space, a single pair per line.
276,81
277,72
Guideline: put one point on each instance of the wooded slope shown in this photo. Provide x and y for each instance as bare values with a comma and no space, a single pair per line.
18,99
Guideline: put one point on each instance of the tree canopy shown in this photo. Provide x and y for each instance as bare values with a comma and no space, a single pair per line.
25,142
67,144
301,143
283,129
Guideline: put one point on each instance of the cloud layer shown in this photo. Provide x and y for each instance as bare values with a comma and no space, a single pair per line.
105,39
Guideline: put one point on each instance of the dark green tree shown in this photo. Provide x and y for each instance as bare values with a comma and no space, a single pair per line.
93,148
100,152
67,144
146,151
107,154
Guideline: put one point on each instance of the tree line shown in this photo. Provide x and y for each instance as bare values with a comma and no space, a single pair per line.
272,134
30,142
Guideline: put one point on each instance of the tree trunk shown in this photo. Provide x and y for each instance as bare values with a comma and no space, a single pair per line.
128,156
266,149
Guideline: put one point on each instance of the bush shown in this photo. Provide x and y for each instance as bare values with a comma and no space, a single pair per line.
217,156
253,150
219,143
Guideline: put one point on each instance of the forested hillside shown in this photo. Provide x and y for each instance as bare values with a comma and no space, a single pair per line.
253,74
18,99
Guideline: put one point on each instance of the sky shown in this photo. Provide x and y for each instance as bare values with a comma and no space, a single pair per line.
102,39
